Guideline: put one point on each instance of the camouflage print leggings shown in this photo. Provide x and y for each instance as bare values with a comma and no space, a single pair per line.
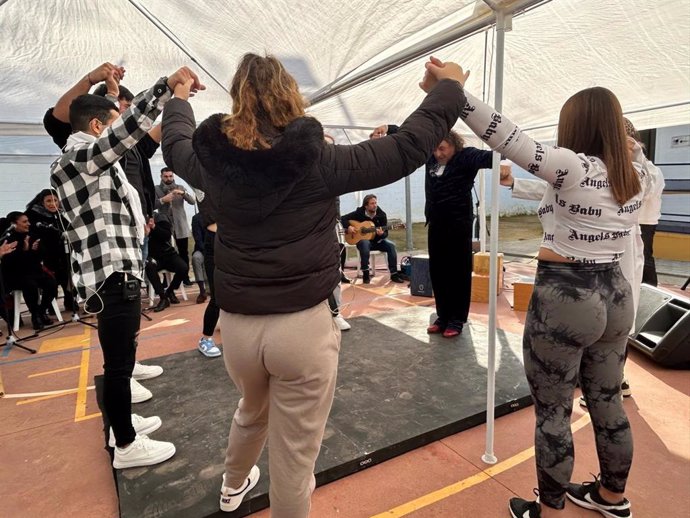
577,325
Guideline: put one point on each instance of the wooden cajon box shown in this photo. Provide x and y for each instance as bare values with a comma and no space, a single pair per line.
480,276
522,293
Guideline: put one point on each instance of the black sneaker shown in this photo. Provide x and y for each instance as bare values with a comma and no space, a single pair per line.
625,388
163,303
521,508
396,277
366,278
587,495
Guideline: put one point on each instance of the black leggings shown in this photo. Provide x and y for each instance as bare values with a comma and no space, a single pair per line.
212,312
577,325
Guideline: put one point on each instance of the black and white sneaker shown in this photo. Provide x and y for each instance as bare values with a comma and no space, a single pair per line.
587,495
231,498
521,508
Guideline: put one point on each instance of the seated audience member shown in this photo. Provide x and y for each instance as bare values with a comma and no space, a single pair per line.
48,225
22,270
199,234
370,211
163,256
5,248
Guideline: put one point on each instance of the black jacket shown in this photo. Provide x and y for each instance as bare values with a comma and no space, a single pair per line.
360,214
449,196
198,233
275,250
48,227
160,239
20,263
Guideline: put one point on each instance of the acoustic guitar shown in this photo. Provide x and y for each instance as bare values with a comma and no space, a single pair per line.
366,230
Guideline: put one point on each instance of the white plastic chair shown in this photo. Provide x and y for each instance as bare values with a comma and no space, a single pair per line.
17,294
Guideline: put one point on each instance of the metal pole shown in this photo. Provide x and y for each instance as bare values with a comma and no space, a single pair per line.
503,21
408,214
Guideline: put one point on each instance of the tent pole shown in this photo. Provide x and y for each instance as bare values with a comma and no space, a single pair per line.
408,214
419,50
503,23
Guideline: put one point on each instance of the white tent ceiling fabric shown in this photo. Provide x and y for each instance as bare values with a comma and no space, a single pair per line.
638,48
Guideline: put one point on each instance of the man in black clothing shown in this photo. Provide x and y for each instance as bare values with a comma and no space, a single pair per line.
370,211
449,178
163,256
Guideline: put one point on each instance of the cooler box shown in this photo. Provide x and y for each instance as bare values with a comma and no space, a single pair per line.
420,280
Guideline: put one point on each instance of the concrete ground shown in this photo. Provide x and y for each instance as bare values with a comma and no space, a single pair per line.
54,464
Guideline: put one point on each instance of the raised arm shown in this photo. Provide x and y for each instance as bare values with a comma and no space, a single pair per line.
130,127
558,166
178,128
95,76
123,133
378,162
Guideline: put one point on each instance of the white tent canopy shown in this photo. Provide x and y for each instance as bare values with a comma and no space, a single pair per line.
637,48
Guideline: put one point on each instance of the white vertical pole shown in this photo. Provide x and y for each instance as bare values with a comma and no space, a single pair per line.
408,214
502,22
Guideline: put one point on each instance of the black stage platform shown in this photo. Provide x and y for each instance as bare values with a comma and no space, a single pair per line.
398,389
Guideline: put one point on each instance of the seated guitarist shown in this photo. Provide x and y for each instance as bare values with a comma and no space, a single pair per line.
370,211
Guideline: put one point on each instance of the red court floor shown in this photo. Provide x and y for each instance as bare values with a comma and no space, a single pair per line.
54,464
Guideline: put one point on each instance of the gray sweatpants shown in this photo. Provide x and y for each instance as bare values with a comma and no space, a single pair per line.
577,325
285,368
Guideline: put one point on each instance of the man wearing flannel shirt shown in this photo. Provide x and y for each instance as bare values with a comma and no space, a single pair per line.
106,230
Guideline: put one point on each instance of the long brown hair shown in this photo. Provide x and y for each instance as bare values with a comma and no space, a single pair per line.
591,122
264,96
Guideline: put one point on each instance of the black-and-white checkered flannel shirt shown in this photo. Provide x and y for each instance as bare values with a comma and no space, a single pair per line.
101,226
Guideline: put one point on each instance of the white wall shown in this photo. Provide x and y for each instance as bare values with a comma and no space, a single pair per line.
674,162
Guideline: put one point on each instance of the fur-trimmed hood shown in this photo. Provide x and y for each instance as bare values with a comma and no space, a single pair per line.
264,178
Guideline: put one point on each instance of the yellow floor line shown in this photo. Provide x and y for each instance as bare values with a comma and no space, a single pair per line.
80,408
87,417
53,372
445,492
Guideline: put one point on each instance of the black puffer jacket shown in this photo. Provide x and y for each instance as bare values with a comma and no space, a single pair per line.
275,249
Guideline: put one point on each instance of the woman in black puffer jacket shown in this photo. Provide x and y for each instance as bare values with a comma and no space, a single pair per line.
273,180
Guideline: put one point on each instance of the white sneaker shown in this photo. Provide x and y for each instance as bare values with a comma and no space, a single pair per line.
341,323
146,372
143,452
142,425
230,499
139,392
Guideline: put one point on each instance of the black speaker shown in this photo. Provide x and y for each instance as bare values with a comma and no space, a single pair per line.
420,280
662,327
